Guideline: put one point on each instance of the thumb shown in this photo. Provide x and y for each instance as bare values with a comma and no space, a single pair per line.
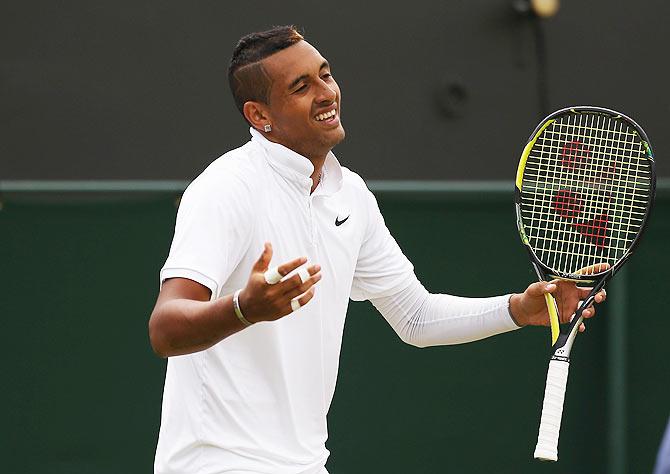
541,287
263,262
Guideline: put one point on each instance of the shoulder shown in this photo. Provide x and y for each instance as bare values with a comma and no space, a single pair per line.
238,164
355,185
235,172
353,181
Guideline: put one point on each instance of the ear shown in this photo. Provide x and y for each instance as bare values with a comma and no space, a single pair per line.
256,114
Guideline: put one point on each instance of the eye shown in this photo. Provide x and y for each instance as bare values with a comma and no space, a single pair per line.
327,76
301,88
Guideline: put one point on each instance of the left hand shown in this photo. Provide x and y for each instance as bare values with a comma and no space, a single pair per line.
530,308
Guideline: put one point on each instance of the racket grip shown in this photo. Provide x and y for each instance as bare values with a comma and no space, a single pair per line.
552,411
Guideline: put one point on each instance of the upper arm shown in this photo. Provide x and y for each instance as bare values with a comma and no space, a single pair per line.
174,289
212,232
183,288
381,268
163,320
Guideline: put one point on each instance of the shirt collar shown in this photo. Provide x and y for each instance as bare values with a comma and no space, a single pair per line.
297,168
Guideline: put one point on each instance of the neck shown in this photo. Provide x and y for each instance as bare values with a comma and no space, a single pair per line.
318,170
317,159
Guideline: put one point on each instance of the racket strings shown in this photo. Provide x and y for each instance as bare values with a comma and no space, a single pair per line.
585,191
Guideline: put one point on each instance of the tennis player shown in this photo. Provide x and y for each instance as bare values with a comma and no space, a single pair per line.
271,242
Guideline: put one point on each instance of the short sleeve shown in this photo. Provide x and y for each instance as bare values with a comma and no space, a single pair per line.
381,268
212,232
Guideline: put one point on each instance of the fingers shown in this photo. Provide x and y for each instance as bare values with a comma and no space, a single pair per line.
540,288
589,312
593,269
586,313
302,300
300,282
298,290
567,297
287,268
272,293
275,274
264,261
584,293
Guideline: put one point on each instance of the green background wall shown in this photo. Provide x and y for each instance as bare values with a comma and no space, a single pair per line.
82,389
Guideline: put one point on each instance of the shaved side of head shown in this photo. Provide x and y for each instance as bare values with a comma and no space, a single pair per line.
252,82
248,79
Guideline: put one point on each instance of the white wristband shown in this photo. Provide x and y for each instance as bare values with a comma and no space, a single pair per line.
238,310
295,304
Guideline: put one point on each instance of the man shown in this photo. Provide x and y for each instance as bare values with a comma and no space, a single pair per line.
259,337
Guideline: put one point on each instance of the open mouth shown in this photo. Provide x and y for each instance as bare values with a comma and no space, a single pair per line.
327,116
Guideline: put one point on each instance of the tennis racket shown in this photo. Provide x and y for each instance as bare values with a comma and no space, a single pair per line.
584,189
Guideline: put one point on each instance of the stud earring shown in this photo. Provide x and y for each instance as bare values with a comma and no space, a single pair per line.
267,128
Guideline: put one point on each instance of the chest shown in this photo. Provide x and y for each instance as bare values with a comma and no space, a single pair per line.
328,230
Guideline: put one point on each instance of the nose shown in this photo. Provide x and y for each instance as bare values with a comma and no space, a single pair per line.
327,93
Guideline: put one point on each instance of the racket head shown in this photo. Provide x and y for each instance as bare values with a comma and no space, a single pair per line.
585,186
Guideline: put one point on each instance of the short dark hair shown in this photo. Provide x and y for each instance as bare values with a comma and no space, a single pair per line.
247,78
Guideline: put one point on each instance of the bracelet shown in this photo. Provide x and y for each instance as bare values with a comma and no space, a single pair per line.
238,311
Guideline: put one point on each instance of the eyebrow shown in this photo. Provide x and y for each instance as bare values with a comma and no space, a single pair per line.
296,81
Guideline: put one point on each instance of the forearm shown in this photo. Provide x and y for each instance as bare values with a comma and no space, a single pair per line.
423,319
183,326
186,320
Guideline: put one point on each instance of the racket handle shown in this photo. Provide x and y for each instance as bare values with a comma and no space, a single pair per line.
552,411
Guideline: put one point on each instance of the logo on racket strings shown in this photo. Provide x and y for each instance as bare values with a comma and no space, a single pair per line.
574,153
574,156
570,206
573,206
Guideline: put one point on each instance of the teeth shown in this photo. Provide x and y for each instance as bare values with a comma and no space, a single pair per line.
326,115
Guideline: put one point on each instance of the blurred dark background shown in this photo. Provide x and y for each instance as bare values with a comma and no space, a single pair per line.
432,90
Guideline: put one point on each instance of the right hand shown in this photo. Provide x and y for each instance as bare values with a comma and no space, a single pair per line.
260,301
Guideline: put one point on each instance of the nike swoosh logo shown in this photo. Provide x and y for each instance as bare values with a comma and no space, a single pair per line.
339,222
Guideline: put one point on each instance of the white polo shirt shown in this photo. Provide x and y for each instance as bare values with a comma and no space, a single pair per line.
257,401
